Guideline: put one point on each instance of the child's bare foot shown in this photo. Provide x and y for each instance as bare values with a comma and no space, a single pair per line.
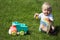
53,28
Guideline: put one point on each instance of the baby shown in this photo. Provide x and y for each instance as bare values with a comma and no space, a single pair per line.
46,22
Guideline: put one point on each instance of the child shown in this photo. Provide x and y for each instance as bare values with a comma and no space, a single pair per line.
46,18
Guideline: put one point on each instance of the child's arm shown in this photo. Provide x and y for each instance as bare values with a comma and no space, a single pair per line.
37,15
51,18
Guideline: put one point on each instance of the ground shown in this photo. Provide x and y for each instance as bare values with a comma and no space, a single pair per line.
23,12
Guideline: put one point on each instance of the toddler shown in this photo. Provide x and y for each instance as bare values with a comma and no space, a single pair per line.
46,22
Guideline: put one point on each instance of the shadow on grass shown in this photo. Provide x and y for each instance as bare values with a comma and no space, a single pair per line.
56,31
28,33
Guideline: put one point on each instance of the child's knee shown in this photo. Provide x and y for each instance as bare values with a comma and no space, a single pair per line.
44,29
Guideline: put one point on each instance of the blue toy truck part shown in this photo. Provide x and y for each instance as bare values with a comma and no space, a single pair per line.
20,26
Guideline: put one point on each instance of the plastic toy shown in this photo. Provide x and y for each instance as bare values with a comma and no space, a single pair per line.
36,16
12,30
21,28
48,24
14,33
21,32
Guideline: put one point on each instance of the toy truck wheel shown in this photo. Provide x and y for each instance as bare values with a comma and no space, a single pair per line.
13,33
21,32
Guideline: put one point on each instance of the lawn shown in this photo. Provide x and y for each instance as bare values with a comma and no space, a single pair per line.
23,11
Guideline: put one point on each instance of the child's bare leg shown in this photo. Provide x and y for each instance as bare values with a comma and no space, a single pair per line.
43,28
40,27
46,30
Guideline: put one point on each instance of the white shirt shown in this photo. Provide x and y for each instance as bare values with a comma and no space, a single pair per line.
42,16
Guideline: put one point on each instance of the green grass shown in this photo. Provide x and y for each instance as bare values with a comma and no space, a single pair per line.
23,11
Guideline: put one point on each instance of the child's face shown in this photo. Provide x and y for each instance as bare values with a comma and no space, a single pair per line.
46,11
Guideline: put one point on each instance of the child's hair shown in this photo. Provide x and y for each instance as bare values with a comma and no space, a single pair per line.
46,4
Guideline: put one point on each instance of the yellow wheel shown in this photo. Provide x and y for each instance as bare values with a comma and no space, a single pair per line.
21,32
14,33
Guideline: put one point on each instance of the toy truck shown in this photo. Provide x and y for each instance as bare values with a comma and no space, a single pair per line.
20,27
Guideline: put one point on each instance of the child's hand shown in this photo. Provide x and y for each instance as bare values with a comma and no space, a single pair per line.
36,15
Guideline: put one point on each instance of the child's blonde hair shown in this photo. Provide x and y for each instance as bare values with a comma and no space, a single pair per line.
47,5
